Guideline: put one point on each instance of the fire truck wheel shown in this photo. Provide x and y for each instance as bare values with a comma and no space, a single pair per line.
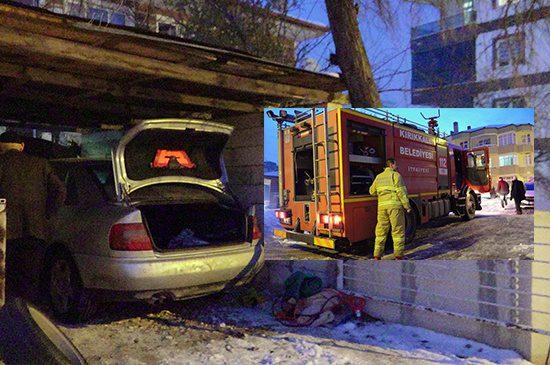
469,206
411,222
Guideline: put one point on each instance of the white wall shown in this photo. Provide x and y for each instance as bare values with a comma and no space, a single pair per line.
537,48
243,158
486,12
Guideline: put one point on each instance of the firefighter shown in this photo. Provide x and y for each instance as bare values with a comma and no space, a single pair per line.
392,199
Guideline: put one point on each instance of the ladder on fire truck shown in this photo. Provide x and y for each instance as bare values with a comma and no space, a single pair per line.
319,179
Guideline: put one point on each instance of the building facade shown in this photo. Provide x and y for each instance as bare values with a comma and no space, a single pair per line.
488,53
511,148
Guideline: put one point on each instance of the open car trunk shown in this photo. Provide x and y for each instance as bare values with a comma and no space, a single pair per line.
200,219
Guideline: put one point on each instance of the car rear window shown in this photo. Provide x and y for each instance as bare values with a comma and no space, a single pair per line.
103,173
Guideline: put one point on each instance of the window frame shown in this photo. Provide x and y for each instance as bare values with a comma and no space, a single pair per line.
507,37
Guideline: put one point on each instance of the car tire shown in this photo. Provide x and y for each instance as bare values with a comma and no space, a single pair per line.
68,300
469,206
29,337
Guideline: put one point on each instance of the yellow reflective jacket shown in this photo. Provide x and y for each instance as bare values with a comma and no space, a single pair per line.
390,189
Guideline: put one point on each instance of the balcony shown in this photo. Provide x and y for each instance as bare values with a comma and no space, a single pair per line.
451,22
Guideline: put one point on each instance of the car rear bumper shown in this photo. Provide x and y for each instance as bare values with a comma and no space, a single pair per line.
177,277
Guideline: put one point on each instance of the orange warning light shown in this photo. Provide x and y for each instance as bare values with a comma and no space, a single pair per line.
167,159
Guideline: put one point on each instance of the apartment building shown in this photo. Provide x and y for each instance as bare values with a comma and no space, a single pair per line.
511,148
488,53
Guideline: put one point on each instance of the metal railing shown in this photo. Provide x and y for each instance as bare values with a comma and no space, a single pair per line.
450,22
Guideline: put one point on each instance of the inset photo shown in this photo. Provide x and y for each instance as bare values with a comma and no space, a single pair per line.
402,183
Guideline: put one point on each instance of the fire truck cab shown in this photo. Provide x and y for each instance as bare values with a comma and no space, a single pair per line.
329,157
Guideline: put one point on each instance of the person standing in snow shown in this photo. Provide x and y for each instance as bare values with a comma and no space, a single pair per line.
391,191
518,193
503,189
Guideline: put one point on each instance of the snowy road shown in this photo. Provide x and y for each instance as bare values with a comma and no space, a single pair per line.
495,233
217,330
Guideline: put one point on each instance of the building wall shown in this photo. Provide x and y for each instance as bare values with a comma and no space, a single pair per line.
243,158
492,82
487,12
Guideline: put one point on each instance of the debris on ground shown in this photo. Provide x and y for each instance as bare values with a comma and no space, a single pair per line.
218,330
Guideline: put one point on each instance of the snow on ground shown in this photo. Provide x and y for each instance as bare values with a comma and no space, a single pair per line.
495,233
217,330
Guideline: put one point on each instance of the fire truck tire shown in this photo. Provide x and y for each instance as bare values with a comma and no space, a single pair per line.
469,206
411,223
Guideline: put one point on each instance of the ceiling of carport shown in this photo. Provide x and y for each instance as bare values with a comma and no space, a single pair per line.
58,69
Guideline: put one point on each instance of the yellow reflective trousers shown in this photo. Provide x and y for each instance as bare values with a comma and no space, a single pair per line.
394,217
390,189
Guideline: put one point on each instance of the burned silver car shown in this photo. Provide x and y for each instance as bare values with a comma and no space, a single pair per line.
157,221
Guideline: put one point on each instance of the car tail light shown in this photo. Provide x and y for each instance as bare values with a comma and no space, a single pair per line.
256,233
253,230
129,237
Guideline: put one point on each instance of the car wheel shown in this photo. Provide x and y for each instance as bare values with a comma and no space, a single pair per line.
68,299
469,207
29,337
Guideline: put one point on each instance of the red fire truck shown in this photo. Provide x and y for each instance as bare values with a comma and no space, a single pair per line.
329,157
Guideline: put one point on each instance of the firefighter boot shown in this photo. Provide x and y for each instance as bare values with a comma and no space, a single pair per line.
397,219
382,229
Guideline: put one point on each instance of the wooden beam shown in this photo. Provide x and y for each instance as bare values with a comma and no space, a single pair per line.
23,42
53,100
96,85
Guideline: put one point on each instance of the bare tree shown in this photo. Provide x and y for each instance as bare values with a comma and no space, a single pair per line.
351,56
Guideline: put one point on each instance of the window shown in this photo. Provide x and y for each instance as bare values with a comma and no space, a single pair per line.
508,160
56,8
506,139
511,102
528,160
526,139
100,15
168,29
509,50
464,144
75,8
118,18
367,156
484,142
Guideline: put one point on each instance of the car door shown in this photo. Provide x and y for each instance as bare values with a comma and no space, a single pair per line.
476,169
